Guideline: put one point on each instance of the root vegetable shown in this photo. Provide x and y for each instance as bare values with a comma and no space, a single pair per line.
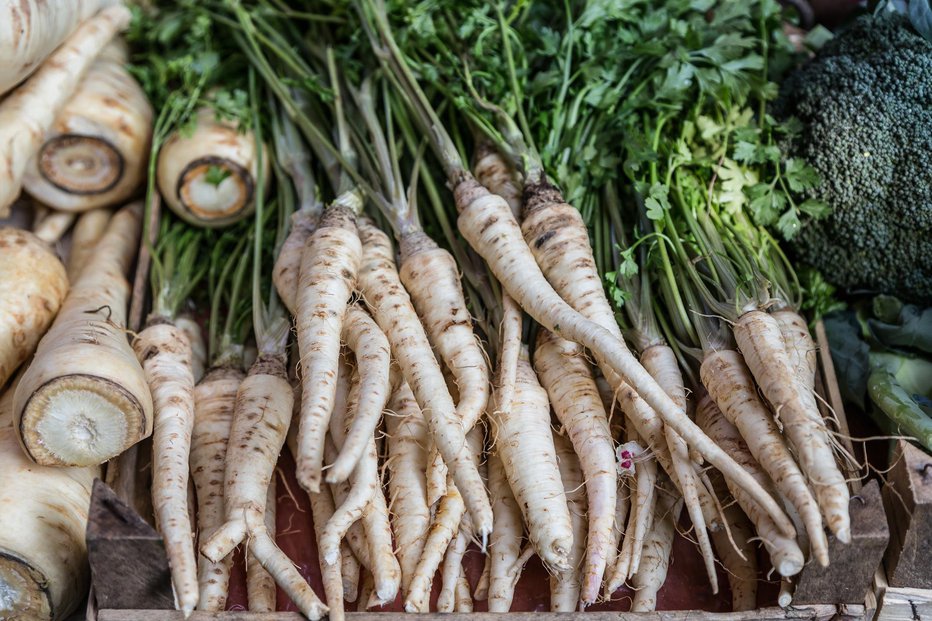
329,267
431,276
85,398
393,311
30,31
566,585
523,437
260,585
490,228
639,522
741,563
505,544
660,361
729,382
452,569
443,529
53,225
95,153
363,482
373,363
656,556
332,576
494,172
214,400
43,555
33,286
261,416
287,270
165,354
791,395
27,113
87,232
785,555
407,460
208,177
567,377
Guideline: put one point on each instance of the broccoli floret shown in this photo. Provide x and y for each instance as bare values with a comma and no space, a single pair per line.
865,102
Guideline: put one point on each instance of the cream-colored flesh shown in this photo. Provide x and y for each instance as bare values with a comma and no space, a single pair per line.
28,112
95,154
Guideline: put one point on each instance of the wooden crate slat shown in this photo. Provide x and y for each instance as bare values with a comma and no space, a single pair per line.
821,612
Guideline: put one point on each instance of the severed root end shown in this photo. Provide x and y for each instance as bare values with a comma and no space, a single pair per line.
222,542
81,165
80,420
24,590
215,190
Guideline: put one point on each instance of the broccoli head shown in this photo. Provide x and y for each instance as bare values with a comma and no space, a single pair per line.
865,102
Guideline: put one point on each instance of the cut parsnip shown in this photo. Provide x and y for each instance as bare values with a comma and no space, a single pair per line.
43,556
84,398
208,177
95,153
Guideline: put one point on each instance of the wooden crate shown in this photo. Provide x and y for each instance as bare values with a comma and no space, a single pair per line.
823,612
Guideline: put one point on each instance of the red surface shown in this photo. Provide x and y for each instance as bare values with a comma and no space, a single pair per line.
686,588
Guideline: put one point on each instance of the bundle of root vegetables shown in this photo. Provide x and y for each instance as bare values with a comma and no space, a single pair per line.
492,271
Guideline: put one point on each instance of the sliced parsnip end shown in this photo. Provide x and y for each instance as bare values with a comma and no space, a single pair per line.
80,420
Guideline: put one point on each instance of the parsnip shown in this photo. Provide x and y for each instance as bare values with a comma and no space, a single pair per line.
329,267
407,458
792,397
33,286
656,556
43,516
30,31
208,177
87,232
27,113
523,437
567,377
566,585
85,397
95,154
214,400
393,311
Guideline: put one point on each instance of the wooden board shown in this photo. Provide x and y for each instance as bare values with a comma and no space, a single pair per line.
902,604
908,501
807,613
849,574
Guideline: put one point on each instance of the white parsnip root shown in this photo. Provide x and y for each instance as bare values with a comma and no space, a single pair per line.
393,311
522,437
33,285
84,398
27,113
95,154
165,354
329,267
214,400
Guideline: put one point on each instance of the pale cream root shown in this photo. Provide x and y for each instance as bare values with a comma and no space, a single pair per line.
85,398
208,176
96,152
27,113
393,311
33,286
329,267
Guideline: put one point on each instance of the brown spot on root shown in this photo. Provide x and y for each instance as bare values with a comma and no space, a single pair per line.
543,239
466,190
414,243
538,195
266,364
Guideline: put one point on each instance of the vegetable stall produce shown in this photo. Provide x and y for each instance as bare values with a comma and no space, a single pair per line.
504,277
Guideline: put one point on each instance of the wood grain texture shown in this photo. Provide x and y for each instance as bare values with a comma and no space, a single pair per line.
908,501
807,613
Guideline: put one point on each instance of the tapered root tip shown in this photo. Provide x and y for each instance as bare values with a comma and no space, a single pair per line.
843,535
386,592
789,567
186,611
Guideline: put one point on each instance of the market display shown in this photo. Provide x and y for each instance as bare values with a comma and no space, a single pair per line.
469,280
